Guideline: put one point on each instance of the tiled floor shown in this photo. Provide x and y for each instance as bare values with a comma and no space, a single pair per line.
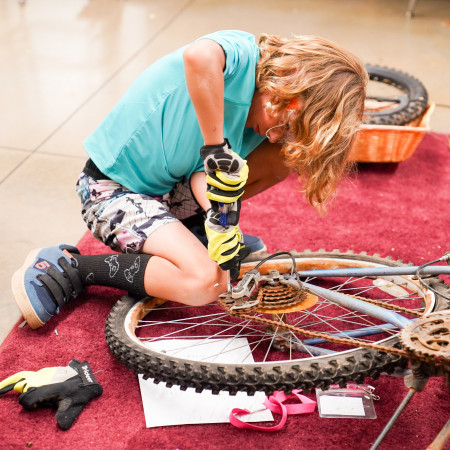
65,63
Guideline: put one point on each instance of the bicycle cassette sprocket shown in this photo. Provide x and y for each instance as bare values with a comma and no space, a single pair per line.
429,336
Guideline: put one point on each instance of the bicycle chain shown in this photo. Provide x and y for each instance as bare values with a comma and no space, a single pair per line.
403,353
390,306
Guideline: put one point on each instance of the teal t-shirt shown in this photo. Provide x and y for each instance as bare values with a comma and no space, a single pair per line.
151,139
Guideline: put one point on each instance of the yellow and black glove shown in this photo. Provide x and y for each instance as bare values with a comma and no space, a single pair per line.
226,175
223,187
225,244
68,388
221,157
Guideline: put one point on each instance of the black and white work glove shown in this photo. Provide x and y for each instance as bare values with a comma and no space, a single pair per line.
68,388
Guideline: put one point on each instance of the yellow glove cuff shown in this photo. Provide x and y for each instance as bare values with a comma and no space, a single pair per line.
224,187
231,181
223,198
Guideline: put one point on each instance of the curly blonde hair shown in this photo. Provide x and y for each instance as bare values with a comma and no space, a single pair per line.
331,84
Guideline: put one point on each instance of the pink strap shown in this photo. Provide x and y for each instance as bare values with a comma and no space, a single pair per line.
305,405
275,404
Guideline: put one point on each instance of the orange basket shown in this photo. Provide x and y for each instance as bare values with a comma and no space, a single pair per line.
389,143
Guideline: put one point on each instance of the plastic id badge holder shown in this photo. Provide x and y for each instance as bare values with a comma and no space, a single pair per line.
351,402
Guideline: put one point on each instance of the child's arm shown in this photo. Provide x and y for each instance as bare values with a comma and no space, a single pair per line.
204,62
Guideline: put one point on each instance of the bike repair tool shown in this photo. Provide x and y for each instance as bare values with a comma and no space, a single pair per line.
229,287
224,209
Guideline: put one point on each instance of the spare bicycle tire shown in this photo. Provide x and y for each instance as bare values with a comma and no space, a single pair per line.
412,104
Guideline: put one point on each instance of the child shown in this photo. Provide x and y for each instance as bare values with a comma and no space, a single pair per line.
199,125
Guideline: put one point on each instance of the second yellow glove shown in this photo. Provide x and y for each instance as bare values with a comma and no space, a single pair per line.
225,244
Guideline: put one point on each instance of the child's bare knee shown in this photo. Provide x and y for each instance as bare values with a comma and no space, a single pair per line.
207,284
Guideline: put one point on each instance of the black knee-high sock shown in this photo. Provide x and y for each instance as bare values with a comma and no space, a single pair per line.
124,271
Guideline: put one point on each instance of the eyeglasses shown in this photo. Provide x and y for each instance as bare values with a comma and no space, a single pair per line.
280,132
283,127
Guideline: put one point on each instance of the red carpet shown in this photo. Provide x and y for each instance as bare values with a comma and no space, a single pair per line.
399,210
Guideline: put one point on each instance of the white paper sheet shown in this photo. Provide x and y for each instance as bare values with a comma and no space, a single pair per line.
171,406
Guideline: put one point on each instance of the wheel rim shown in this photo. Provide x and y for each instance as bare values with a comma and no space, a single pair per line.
393,97
149,325
384,99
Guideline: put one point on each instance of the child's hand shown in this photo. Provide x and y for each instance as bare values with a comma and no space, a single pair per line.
225,244
231,210
226,175
226,187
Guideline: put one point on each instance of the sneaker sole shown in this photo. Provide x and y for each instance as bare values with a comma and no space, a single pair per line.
20,294
258,253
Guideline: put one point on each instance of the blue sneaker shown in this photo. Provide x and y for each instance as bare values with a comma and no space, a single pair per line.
255,244
45,283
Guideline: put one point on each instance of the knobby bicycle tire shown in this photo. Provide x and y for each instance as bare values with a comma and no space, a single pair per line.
311,372
412,105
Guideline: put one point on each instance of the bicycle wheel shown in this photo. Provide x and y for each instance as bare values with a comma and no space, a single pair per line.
393,97
148,336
